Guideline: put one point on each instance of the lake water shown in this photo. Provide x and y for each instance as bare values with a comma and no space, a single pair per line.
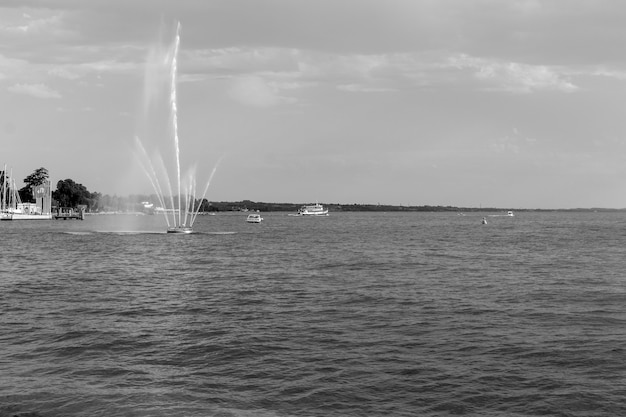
354,314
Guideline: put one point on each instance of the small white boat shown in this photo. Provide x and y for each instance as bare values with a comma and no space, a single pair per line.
313,210
510,214
254,218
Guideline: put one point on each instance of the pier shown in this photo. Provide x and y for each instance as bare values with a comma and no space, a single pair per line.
69,214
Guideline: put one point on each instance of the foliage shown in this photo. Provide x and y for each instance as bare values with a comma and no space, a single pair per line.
38,177
71,194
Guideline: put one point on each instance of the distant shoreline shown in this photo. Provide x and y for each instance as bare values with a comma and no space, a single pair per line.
334,207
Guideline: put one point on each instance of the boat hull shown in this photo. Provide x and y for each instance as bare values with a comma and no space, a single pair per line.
24,216
316,213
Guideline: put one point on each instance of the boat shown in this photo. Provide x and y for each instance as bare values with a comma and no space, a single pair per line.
484,220
25,216
510,214
313,210
254,218
12,207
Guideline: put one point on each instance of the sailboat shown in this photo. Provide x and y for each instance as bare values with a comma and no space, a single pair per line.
12,207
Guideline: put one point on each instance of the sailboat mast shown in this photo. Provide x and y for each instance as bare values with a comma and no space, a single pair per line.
12,197
4,188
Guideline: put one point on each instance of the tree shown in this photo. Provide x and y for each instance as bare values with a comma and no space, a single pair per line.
38,177
71,194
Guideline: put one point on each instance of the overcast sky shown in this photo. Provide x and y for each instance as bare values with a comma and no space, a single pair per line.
515,104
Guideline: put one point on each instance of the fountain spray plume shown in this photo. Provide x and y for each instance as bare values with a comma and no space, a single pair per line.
148,168
151,172
173,102
184,210
190,192
195,214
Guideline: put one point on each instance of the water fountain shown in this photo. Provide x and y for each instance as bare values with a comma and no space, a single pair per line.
180,210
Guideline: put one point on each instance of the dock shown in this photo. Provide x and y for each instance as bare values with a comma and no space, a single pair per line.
69,214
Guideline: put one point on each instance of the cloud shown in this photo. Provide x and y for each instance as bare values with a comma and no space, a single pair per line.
36,26
603,72
11,66
266,71
360,88
291,69
35,90
63,72
242,60
73,110
512,76
380,72
108,65
257,92
512,143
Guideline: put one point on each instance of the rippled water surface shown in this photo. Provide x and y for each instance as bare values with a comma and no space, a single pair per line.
361,314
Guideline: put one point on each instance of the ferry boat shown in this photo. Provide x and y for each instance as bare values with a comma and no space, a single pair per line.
254,218
313,210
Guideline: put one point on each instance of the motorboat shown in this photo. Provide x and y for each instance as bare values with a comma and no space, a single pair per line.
313,210
254,218
509,213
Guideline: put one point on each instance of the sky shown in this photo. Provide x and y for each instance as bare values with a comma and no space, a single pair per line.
481,103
